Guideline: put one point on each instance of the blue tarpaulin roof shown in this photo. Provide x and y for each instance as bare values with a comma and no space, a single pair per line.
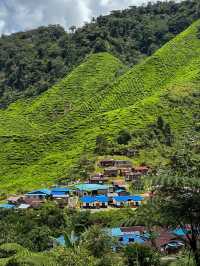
90,199
115,232
180,232
7,206
91,187
127,198
61,240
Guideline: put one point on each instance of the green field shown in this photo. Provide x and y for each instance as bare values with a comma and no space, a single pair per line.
42,139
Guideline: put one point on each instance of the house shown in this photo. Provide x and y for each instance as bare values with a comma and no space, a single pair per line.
141,169
122,164
106,163
33,202
16,200
59,192
92,189
111,172
125,171
98,179
132,176
165,241
39,194
60,241
122,192
119,184
127,201
126,237
100,201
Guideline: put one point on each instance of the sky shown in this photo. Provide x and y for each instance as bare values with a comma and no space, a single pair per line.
20,15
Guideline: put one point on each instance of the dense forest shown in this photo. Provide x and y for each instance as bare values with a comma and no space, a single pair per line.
32,61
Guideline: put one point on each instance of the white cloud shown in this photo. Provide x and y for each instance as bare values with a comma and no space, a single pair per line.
17,15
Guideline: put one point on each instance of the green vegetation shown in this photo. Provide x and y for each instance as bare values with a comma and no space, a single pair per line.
31,62
41,141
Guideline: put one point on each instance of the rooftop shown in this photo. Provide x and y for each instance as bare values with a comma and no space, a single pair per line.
90,199
40,192
7,206
127,198
60,189
91,187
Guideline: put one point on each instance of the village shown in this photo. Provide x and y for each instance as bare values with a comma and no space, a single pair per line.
109,189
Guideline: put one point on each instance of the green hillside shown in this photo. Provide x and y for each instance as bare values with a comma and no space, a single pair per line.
41,140
35,136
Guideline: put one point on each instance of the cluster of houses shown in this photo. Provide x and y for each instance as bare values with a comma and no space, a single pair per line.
36,198
114,168
90,196
106,189
162,239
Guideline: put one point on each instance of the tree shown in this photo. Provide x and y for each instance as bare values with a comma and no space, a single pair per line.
124,137
160,122
74,257
101,145
149,216
97,242
141,255
179,206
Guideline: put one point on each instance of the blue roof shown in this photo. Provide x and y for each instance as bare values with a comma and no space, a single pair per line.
40,192
61,240
60,189
90,199
7,206
58,193
91,187
126,237
115,232
120,190
87,199
127,198
101,198
180,232
137,239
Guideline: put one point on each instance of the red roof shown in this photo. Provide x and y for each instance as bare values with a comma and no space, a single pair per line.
140,168
163,238
119,183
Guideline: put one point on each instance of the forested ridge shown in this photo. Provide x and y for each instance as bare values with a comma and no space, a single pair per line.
32,61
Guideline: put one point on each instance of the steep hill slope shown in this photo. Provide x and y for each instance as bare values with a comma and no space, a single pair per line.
40,141
29,133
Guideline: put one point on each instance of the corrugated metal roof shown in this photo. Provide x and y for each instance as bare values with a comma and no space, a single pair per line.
91,187
23,206
60,189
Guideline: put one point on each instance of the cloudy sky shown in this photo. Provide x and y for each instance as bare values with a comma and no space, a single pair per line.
17,15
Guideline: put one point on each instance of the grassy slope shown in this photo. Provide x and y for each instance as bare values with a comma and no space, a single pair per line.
32,148
57,127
